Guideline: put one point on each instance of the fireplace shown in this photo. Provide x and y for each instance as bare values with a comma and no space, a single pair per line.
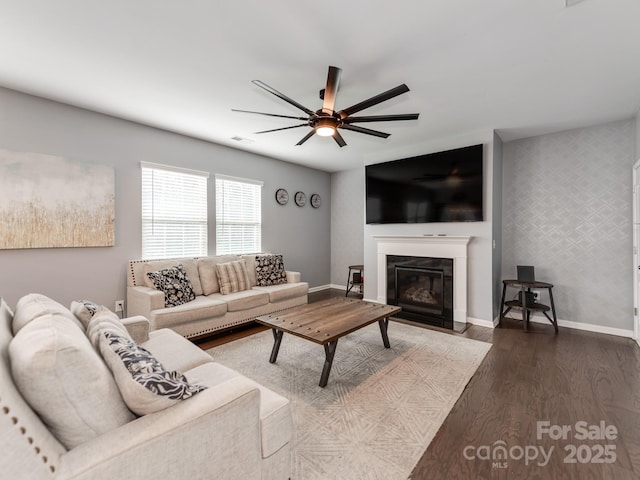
443,247
423,287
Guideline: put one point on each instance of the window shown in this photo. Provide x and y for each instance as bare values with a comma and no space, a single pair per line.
238,215
174,211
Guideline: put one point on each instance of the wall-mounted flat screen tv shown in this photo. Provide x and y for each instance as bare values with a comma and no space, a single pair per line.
438,187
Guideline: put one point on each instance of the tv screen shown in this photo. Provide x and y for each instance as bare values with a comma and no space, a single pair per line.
438,187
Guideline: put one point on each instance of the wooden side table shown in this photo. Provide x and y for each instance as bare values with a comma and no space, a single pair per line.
351,282
528,307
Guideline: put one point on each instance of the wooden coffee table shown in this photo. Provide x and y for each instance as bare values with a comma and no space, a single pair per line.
325,322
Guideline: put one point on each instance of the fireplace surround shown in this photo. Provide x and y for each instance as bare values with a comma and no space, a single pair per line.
450,247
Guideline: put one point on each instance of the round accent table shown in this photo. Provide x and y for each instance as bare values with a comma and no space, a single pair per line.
525,303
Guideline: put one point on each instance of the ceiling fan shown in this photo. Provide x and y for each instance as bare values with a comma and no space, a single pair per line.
326,121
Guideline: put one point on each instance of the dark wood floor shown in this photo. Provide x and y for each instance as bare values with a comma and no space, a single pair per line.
534,377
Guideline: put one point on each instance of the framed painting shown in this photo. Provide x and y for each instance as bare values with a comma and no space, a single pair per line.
48,202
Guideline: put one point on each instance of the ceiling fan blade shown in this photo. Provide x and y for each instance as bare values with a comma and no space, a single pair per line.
269,114
370,102
368,131
282,96
306,137
339,140
333,81
382,118
283,128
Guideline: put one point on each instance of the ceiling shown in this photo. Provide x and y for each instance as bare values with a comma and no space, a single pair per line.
522,67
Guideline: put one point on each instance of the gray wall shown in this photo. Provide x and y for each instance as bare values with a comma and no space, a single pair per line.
32,124
637,144
497,223
347,223
567,205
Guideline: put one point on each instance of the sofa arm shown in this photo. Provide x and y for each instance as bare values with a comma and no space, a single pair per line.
142,300
214,434
293,277
138,327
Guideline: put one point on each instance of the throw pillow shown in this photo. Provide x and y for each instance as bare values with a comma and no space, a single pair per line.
232,277
270,270
104,319
143,382
175,284
84,310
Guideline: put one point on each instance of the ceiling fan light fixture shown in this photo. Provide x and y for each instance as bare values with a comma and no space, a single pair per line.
325,128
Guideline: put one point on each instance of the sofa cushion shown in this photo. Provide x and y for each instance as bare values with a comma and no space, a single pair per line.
175,284
232,277
276,421
243,300
250,261
174,351
270,270
35,305
84,310
285,291
208,274
200,308
65,381
190,267
145,385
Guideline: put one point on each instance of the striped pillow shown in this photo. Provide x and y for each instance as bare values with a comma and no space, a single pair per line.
233,276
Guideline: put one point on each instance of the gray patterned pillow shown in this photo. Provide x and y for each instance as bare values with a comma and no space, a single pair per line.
175,284
145,385
270,270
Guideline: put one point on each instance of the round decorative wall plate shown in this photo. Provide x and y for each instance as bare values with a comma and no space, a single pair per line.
315,200
282,196
301,199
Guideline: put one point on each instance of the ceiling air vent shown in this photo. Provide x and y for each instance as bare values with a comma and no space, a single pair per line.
242,139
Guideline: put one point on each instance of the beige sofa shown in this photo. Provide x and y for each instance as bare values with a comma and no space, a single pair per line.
211,310
63,414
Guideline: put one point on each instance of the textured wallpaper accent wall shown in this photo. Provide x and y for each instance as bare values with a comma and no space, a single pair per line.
347,223
567,210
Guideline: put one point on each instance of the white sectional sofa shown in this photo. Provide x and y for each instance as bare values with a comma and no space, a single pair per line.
212,309
66,411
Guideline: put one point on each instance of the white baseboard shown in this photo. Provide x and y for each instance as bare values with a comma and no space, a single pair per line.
320,288
588,327
480,322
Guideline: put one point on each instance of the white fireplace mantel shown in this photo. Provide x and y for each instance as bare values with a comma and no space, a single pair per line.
440,246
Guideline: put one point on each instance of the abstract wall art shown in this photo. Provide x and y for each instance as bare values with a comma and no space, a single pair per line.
48,201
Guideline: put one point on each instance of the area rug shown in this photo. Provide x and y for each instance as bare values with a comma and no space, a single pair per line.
381,407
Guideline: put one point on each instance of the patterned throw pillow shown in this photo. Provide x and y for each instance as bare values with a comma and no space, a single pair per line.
175,284
145,385
233,276
270,270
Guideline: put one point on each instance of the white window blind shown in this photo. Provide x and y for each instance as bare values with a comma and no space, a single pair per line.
238,215
174,211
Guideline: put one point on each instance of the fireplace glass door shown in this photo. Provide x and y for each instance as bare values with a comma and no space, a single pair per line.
420,290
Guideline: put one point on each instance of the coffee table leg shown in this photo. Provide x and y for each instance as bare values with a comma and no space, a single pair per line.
384,324
329,352
277,339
